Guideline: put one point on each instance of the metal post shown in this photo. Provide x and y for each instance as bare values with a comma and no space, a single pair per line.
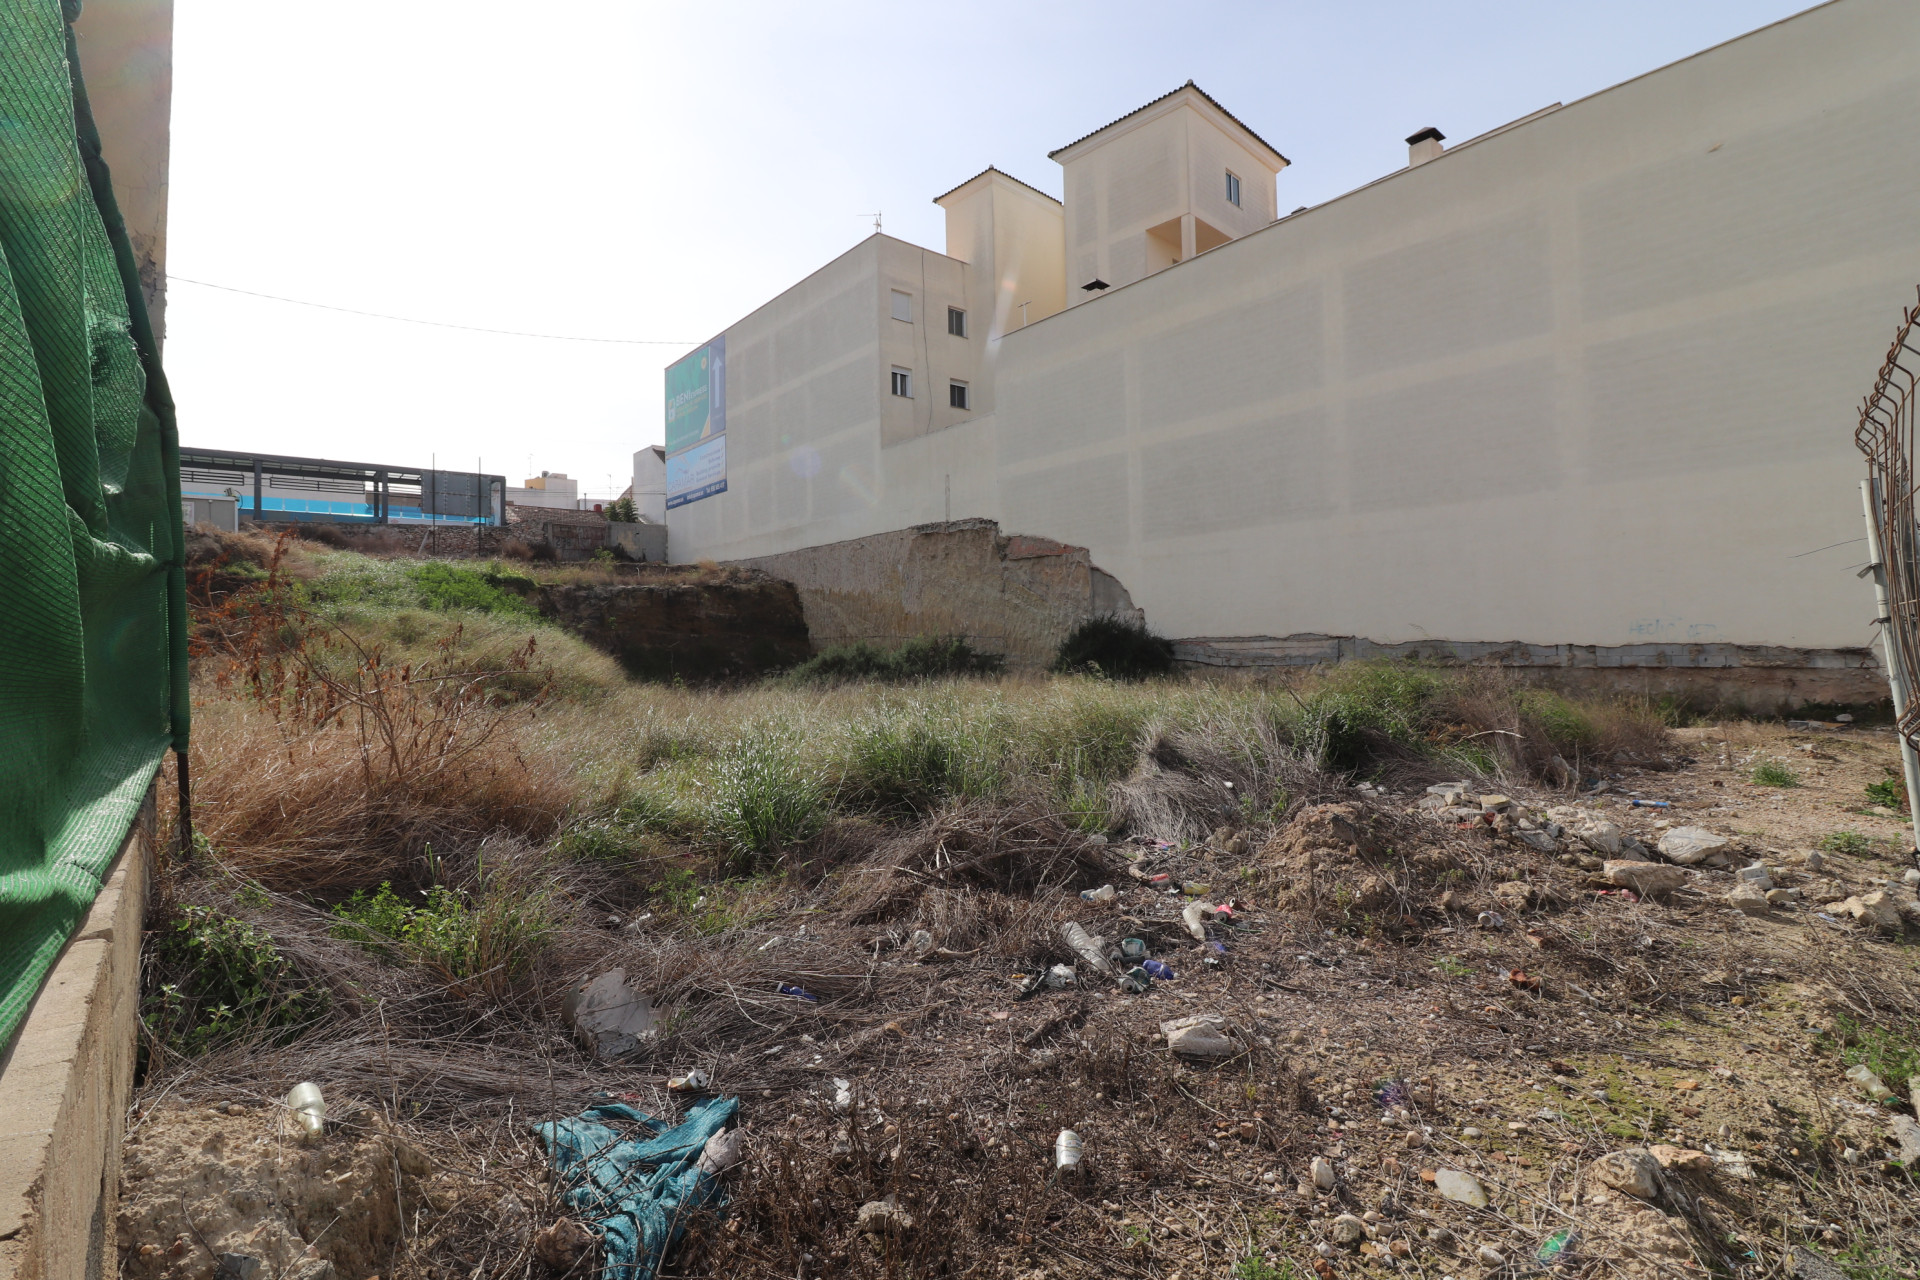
259,511
1889,647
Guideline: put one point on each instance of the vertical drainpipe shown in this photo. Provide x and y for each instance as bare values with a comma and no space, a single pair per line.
259,511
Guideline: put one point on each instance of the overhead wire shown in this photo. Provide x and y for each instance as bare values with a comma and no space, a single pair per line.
436,324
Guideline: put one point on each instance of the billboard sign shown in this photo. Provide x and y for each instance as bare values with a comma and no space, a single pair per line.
697,425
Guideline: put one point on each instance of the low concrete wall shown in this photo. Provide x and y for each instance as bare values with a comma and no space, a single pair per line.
1007,594
1761,679
64,1088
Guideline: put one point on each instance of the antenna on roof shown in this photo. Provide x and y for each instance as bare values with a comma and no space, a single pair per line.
876,221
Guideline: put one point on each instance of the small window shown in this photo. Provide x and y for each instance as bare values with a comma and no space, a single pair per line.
903,306
903,383
956,322
957,395
1233,189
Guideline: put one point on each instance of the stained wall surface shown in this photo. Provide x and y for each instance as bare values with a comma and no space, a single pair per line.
1590,380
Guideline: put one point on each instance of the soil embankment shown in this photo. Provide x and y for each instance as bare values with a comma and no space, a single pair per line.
712,625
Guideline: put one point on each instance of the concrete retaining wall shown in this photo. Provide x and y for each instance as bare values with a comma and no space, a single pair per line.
64,1088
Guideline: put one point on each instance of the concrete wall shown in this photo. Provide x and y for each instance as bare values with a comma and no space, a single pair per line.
1589,380
126,58
650,483
1009,595
64,1087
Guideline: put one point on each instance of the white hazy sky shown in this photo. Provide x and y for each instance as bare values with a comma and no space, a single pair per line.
627,169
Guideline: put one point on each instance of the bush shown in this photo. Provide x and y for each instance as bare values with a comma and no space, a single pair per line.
914,757
219,980
1850,843
923,658
1772,774
622,511
494,939
1117,648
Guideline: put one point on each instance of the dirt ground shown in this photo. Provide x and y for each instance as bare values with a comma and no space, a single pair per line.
1408,997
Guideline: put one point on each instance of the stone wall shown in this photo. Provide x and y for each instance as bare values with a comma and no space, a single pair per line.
1007,594
685,624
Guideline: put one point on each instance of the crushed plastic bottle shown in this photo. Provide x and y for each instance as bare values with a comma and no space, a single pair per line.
308,1109
1157,969
1104,893
1087,946
1863,1079
842,1095
1060,977
1066,1151
788,989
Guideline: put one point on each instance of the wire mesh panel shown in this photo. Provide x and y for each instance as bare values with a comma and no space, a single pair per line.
1886,436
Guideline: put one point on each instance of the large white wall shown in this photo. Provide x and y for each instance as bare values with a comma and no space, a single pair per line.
1589,380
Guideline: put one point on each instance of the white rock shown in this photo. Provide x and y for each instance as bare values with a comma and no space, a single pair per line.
1643,878
1633,1171
1906,1132
1322,1171
1461,1187
1749,898
1490,1256
1688,845
1755,874
883,1216
1599,835
1348,1229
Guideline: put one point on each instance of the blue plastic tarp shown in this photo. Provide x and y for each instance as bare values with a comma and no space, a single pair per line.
638,1189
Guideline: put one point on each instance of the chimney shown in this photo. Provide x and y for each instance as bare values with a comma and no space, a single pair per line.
1424,146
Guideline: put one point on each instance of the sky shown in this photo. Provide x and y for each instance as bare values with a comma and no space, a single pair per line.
655,171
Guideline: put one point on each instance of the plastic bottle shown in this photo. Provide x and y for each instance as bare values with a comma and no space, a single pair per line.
1103,894
308,1109
1066,1151
1157,969
1868,1083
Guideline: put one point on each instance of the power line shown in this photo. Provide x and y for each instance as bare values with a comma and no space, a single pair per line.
437,324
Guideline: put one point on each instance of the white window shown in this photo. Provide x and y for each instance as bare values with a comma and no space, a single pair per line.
903,306
956,395
1233,188
903,383
956,322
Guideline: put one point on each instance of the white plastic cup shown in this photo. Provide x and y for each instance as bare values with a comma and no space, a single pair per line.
1104,893
308,1109
1066,1151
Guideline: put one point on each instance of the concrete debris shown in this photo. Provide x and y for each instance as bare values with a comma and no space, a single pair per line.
1644,878
1808,1265
1461,1187
1755,875
1875,910
1681,1159
1783,897
1449,793
564,1244
1495,803
1348,1229
1203,1035
1904,1130
883,1217
1731,1164
1689,845
1537,840
1749,899
1599,835
608,1017
1823,891
1633,1171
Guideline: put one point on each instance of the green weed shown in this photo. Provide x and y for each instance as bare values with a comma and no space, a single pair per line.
1452,967
1771,773
1850,843
1254,1266
495,938
229,981
1892,1054
1890,791
923,658
766,797
913,757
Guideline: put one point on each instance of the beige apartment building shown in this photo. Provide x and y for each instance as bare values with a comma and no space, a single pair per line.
1580,389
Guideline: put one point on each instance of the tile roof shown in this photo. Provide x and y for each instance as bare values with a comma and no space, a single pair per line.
1003,173
1162,98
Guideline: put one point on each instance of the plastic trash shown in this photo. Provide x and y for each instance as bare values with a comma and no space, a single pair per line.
308,1109
842,1095
920,943
1194,888
1104,893
1157,969
692,1082
639,1189
1133,948
1135,981
1194,916
788,989
1491,920
1863,1078
1652,804
1060,977
1087,946
1066,1151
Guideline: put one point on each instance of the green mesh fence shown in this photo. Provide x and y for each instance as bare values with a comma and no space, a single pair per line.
92,634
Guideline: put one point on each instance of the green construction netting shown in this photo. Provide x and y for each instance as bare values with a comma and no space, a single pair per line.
92,634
